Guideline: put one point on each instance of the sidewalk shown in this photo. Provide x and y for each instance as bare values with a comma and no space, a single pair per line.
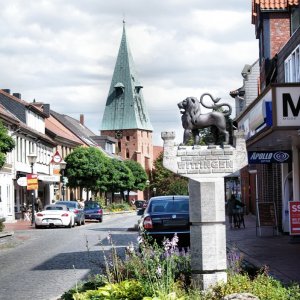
274,251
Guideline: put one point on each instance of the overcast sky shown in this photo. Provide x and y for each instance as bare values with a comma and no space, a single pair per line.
63,52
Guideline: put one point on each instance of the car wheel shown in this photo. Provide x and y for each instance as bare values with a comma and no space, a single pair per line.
37,226
78,223
70,224
83,222
100,220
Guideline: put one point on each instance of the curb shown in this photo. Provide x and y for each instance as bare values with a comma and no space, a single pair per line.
6,234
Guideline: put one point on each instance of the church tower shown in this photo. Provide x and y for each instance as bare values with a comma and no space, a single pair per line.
125,116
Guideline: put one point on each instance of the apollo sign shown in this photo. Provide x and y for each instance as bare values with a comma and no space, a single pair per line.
268,157
288,106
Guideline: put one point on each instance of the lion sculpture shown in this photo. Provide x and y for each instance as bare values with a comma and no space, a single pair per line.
193,120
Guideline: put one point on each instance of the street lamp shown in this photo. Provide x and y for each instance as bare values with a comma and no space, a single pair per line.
154,191
148,187
63,165
32,159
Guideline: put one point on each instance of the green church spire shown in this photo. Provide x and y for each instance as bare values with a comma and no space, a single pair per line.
125,107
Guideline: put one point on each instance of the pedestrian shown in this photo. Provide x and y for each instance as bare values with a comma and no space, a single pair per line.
231,211
38,204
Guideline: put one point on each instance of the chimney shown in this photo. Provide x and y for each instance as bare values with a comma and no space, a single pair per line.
46,109
17,95
82,119
6,91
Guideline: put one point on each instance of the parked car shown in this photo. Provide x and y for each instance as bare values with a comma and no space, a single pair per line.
140,206
164,216
93,211
75,207
55,215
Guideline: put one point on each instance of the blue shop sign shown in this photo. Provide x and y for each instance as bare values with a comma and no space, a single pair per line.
269,157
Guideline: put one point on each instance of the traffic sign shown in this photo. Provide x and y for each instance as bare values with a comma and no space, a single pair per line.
56,159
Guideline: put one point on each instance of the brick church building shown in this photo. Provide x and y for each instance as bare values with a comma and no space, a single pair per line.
125,116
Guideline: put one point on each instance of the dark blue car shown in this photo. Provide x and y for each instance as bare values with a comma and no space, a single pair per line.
166,216
93,211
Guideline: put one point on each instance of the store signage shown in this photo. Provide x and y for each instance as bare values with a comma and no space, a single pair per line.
22,181
49,178
32,182
258,118
294,217
288,106
269,157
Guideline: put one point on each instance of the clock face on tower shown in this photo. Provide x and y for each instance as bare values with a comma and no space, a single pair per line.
118,134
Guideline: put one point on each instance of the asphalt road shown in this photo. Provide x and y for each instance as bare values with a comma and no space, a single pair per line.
42,264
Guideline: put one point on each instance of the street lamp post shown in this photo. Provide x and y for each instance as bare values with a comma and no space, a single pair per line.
154,191
63,165
148,187
32,159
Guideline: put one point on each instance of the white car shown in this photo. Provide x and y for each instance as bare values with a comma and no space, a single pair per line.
55,215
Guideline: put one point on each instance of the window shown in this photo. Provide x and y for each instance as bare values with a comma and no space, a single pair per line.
292,66
127,153
295,19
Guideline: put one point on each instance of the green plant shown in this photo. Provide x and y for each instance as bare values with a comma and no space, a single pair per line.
101,201
156,272
2,226
93,283
115,207
127,289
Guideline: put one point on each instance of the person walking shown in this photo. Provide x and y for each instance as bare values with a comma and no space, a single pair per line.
231,211
38,205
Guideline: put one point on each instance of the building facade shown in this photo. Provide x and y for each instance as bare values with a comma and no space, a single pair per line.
272,122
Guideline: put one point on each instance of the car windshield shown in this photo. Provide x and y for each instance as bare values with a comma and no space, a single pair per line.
70,204
170,205
54,208
91,205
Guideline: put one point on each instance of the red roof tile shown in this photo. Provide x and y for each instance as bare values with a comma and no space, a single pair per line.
270,5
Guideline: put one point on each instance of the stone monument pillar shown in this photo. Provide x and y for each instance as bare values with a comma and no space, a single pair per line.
206,167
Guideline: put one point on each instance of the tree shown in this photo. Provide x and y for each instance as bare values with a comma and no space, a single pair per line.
167,182
140,175
87,168
7,144
119,177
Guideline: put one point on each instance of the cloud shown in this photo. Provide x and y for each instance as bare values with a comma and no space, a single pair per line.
63,52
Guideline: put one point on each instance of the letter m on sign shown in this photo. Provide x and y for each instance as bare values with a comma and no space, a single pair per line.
288,101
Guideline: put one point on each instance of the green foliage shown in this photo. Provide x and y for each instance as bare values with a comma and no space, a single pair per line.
163,273
2,226
93,283
119,176
127,289
86,167
101,201
115,207
166,182
139,175
263,286
6,144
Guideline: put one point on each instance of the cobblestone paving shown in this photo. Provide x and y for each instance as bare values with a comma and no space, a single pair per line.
42,264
